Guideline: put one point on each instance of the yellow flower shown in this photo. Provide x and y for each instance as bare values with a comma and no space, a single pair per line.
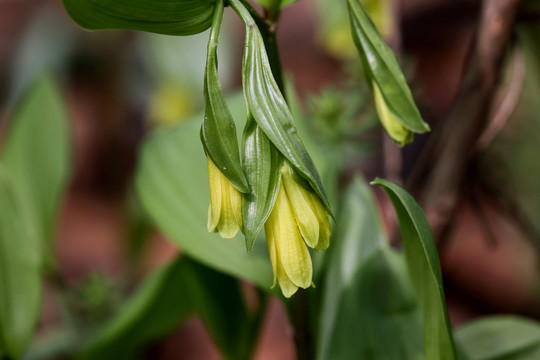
297,213
399,133
225,210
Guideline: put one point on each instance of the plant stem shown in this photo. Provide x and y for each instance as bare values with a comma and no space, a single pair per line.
298,310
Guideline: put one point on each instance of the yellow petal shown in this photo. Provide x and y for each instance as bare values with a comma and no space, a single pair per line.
214,183
236,206
291,251
399,133
324,223
270,242
300,200
288,288
228,225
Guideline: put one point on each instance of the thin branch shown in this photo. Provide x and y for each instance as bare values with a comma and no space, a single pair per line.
441,173
508,102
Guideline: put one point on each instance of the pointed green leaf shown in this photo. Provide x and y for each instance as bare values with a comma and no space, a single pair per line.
262,163
172,184
170,17
218,132
36,153
368,298
424,269
20,288
500,337
268,107
382,67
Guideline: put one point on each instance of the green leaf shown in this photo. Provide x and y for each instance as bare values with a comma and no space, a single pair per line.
158,307
382,67
424,269
20,288
164,301
368,299
218,132
172,184
219,302
170,17
36,154
268,107
262,164
500,337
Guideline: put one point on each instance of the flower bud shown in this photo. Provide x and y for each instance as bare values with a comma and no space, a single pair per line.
225,210
399,133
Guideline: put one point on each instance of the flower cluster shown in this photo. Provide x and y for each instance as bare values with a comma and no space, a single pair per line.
275,183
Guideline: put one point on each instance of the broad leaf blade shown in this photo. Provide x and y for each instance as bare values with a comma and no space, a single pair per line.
218,132
368,298
36,153
178,17
424,269
382,67
500,337
172,184
20,288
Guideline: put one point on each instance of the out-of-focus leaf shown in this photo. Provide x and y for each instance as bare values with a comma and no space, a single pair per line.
178,17
159,306
424,269
36,156
500,337
164,301
369,309
172,185
382,67
218,132
20,289
262,164
218,300
269,108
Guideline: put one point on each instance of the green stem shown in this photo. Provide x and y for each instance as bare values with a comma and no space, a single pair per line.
298,310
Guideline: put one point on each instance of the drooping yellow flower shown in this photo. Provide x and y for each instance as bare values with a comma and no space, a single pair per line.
297,216
399,133
225,210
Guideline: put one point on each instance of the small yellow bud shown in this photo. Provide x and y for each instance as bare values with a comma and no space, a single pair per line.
399,133
225,210
297,213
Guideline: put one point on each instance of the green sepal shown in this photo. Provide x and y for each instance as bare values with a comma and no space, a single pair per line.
262,164
178,17
269,108
425,271
218,131
382,67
